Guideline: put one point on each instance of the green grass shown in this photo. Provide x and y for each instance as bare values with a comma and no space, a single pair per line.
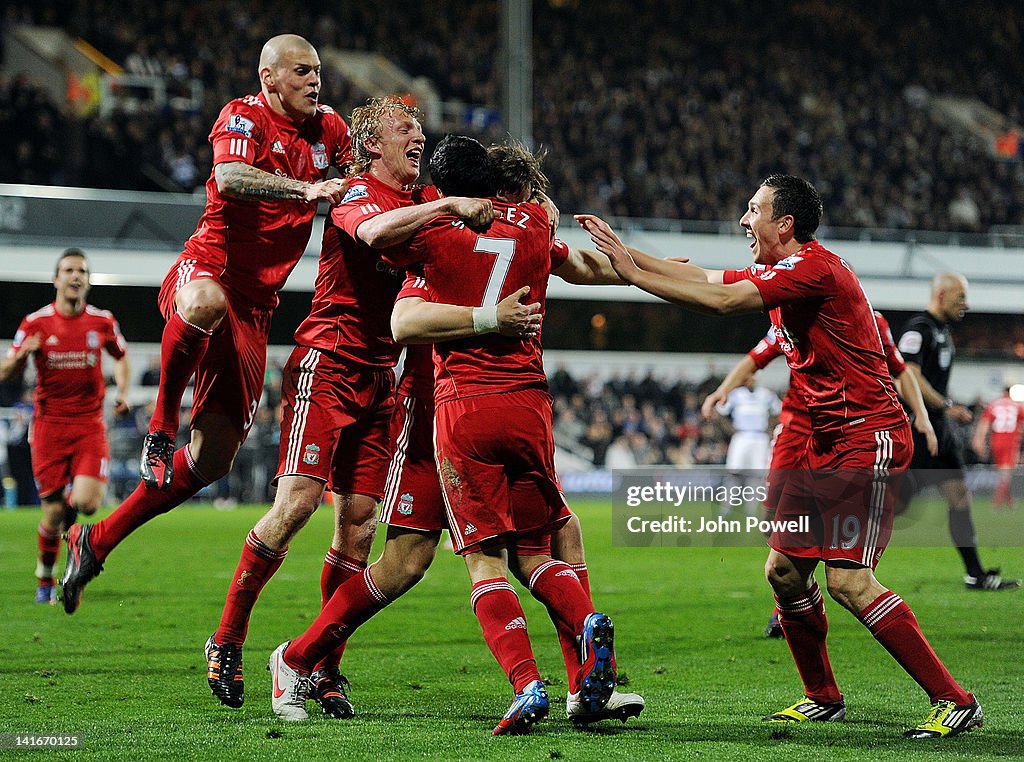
128,671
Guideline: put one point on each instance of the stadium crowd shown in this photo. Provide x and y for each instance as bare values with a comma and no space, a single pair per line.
671,138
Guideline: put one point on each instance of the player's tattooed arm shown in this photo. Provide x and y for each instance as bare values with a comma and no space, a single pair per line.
243,180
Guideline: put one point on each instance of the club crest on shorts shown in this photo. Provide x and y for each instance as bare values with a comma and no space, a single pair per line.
320,156
312,455
405,502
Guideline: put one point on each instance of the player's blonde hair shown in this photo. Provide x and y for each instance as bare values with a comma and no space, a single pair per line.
366,123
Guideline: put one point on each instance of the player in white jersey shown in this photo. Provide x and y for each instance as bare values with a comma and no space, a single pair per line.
751,410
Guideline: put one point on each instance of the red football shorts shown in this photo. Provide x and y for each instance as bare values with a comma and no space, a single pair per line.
496,458
412,493
846,497
789,454
229,379
335,422
1005,451
62,451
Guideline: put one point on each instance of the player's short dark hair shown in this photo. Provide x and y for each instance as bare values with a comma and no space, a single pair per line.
797,197
517,170
72,251
459,166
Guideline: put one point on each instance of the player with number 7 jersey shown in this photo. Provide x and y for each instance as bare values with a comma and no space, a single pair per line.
515,251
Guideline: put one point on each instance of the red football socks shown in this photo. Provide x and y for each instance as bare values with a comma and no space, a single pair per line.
894,625
338,569
49,546
144,504
556,585
806,628
352,604
182,347
496,606
255,568
584,577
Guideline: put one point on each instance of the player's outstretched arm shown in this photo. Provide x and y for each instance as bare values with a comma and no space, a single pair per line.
417,321
588,268
713,298
741,372
398,225
12,367
241,180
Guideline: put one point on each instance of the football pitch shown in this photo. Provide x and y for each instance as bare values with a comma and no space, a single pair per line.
127,672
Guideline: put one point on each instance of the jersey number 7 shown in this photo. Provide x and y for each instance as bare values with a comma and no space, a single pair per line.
503,249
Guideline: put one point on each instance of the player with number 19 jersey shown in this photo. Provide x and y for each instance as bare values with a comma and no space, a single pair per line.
824,324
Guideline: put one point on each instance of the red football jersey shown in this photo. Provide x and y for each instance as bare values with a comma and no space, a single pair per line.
766,350
1005,417
252,245
69,361
825,326
418,369
355,290
480,269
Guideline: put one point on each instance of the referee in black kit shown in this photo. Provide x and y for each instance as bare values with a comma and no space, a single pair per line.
927,346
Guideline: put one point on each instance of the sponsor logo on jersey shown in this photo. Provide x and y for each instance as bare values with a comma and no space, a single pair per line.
276,147
52,341
320,156
355,193
786,340
516,624
312,455
788,263
469,528
92,339
241,125
405,504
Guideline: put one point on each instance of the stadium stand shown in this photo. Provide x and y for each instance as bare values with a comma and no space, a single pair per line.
880,108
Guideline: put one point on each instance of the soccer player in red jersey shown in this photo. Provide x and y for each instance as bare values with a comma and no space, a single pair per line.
271,155
794,429
824,324
291,664
1003,419
338,387
68,436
